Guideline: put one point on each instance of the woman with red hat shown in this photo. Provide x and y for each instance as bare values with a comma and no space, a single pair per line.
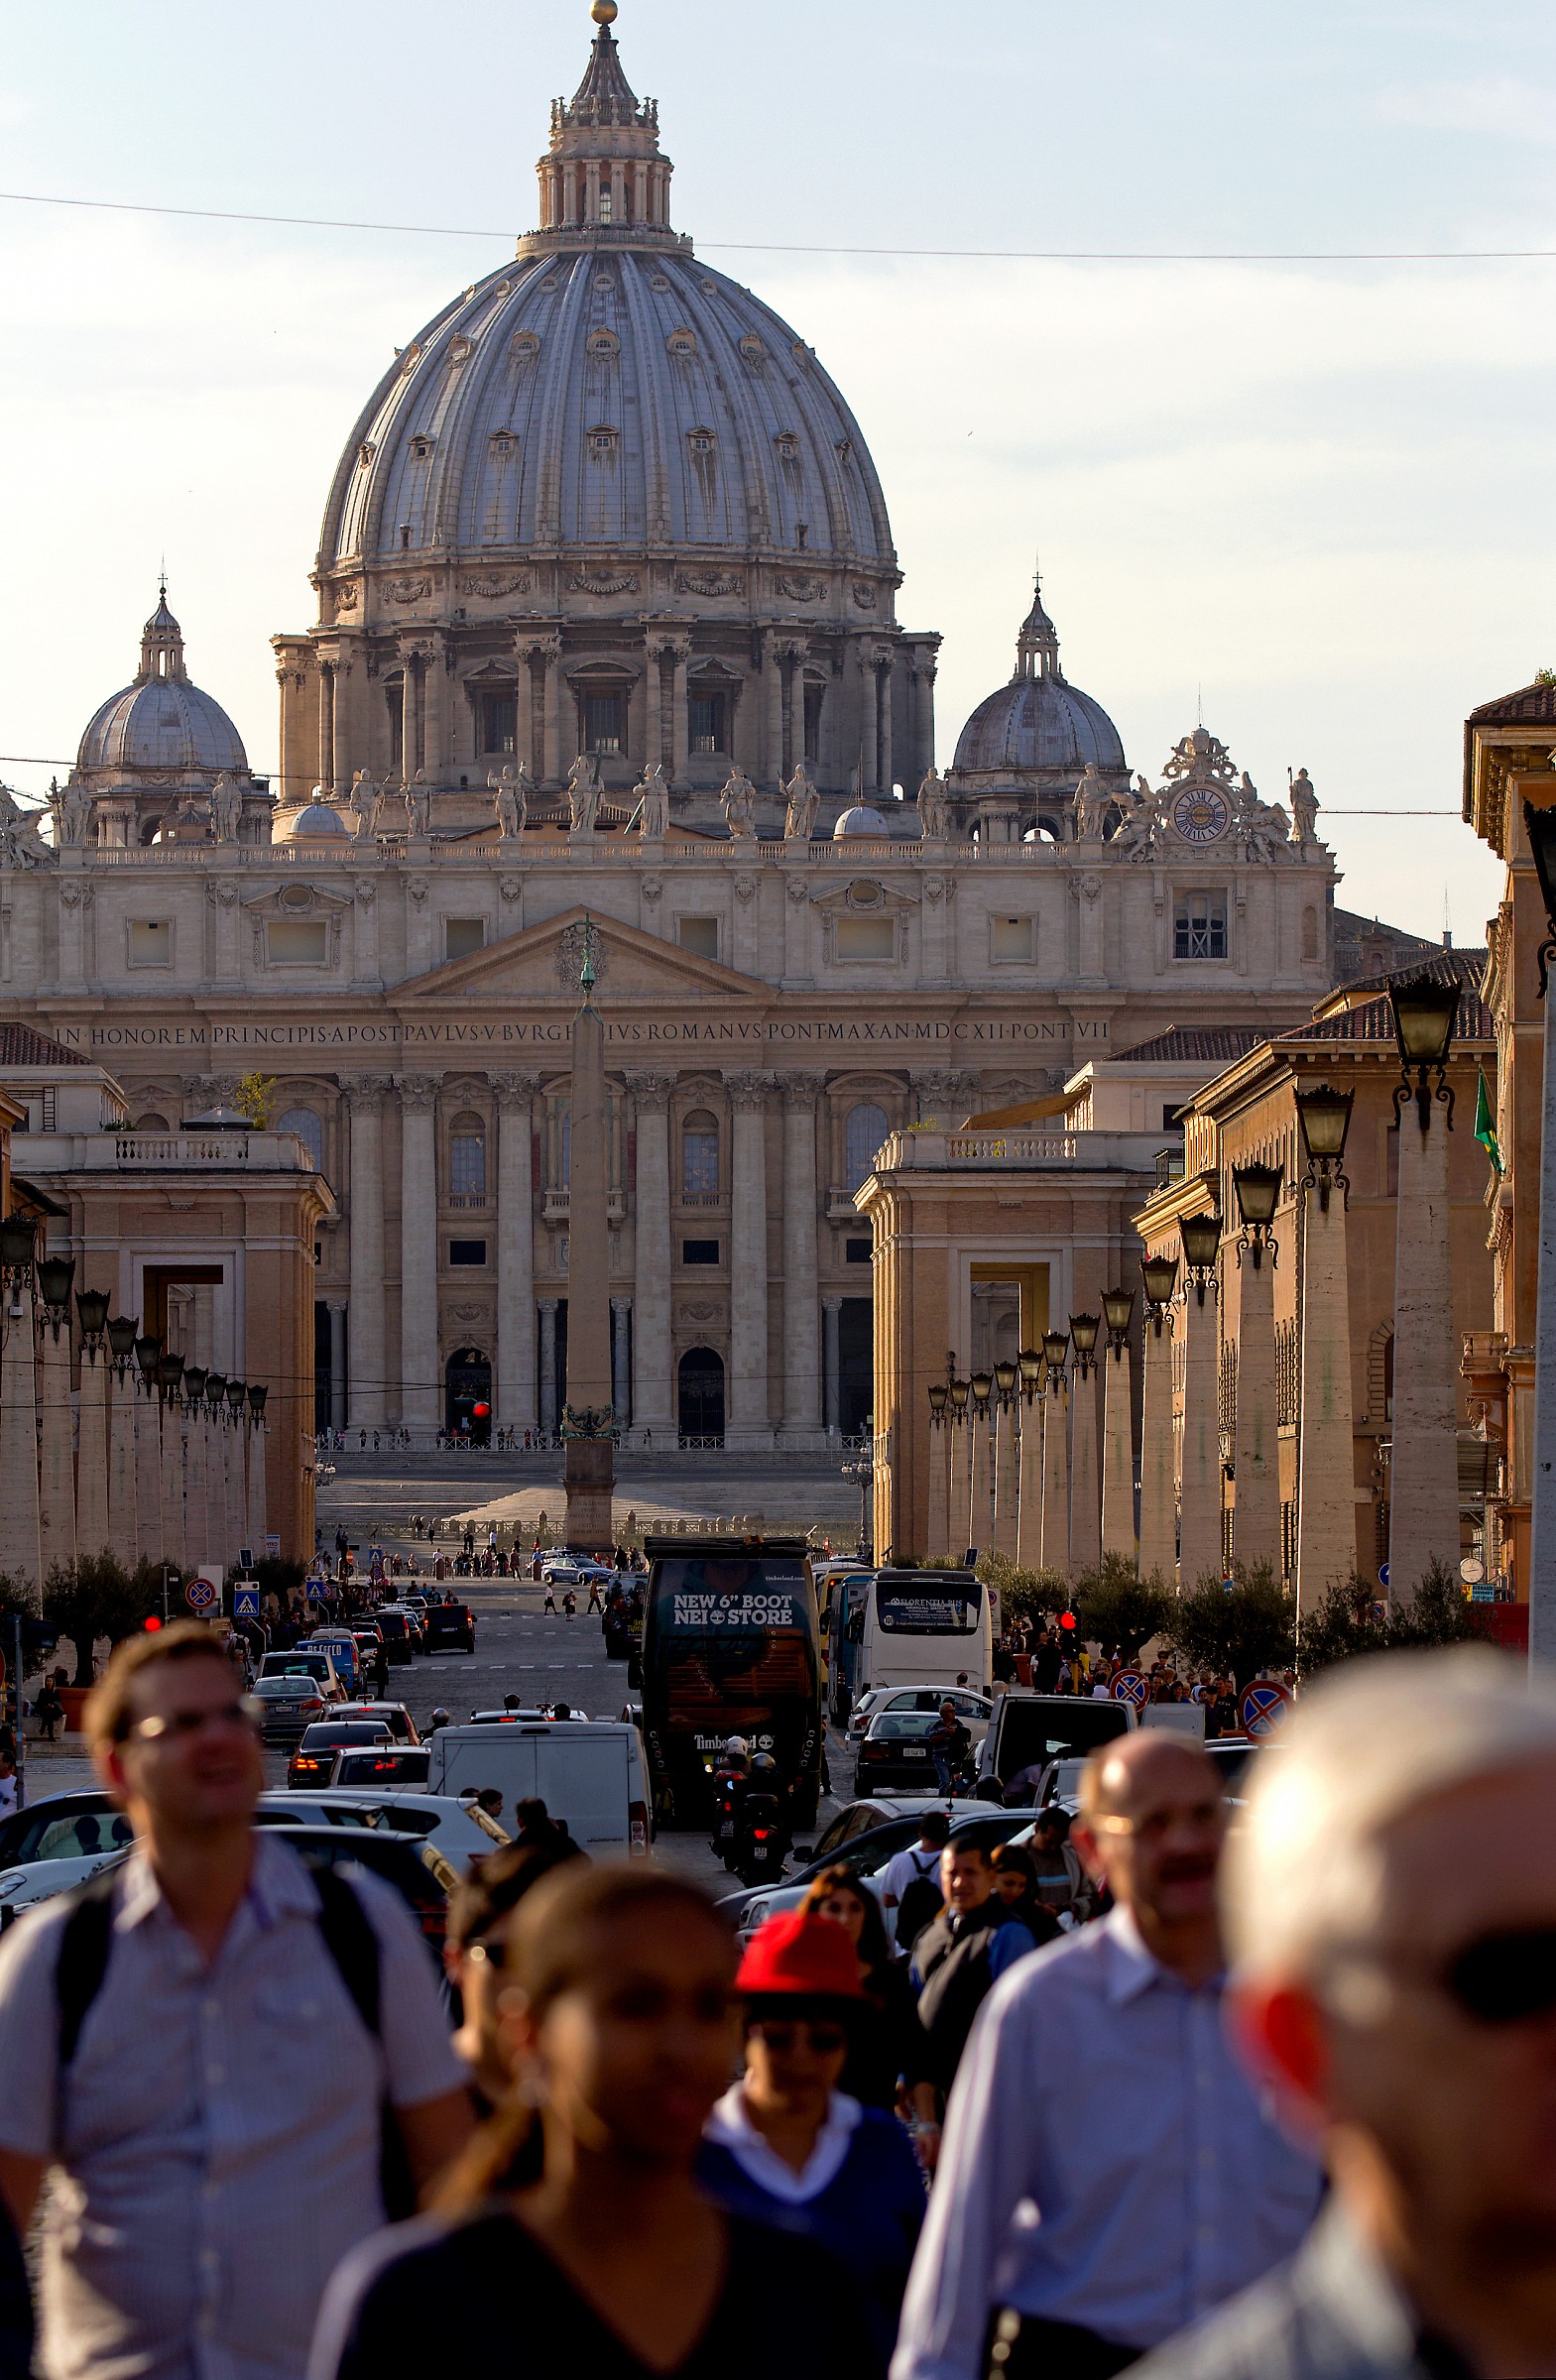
785,2146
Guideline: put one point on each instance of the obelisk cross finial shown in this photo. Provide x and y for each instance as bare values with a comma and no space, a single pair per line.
586,978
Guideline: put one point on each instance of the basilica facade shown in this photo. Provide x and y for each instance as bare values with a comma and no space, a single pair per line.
607,632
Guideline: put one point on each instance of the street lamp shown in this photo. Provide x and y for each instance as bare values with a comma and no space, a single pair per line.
1030,1365
237,1393
121,1341
1006,1376
147,1355
1118,1307
1055,1350
92,1305
1324,1115
1161,1275
257,1397
982,1385
215,1390
1258,1191
169,1372
1201,1236
863,1474
18,1235
939,1395
1083,1332
55,1276
194,1382
958,1393
1424,1014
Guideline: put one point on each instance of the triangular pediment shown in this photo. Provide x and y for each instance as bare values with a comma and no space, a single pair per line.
630,965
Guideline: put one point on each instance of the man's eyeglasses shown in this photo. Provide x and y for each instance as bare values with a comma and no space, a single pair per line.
781,2035
492,1952
1158,1825
246,1713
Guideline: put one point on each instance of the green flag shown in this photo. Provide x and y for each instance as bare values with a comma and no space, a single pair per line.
1484,1127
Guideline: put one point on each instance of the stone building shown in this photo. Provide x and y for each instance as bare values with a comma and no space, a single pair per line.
607,626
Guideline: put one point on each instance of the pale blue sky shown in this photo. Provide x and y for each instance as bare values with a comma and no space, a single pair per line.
1321,495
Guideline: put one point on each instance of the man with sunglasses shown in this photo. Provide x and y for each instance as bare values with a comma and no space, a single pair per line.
1098,2088
1392,1912
182,2040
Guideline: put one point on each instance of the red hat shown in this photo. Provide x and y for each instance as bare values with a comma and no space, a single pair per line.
798,1956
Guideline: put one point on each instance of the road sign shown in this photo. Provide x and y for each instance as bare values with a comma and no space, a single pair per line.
245,1598
202,1596
246,1557
1130,1686
1382,1576
1262,1705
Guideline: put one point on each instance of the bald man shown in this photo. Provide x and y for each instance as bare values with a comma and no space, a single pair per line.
1098,2088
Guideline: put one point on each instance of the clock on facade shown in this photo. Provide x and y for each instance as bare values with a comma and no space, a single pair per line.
1201,814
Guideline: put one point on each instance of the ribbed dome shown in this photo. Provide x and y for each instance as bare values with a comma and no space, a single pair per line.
862,819
606,397
315,822
1038,723
161,724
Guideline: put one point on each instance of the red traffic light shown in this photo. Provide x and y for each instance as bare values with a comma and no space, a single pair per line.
1067,1619
152,1624
480,1412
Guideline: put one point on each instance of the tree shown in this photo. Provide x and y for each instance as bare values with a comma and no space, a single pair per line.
1349,1623
1241,1631
1113,1607
1024,1594
95,1595
255,1098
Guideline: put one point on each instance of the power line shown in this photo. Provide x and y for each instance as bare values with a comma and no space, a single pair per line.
1042,256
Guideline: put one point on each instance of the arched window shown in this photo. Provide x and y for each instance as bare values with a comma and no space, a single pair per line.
467,1158
699,1155
151,1123
309,1128
866,1130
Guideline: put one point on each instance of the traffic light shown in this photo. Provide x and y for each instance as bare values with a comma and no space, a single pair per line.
1067,1619
151,1622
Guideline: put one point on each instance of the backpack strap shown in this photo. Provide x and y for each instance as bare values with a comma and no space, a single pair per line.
84,1948
350,1941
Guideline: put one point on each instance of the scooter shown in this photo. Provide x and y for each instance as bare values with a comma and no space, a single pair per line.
763,1840
729,1800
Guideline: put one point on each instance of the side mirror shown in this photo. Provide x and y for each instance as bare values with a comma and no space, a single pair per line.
803,1850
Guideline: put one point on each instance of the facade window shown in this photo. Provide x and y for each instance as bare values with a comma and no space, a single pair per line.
1392,1162
1199,925
462,935
856,1251
867,1126
296,942
699,1252
699,1156
467,1251
1012,941
605,206
706,723
467,1158
699,935
498,715
394,696
864,937
604,722
150,942
309,1128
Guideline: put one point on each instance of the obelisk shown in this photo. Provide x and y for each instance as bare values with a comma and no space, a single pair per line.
588,1423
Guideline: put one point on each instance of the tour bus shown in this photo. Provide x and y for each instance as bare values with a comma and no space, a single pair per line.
925,1628
731,1646
840,1589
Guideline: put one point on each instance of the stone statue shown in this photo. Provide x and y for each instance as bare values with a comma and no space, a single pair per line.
226,808
511,788
800,805
419,804
934,808
1092,799
738,802
1132,839
583,794
367,802
1305,810
1145,791
72,809
21,844
654,804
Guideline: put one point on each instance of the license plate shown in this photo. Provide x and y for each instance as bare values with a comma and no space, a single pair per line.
915,1752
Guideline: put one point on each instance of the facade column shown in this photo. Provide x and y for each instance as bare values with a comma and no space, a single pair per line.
796,706
831,1365
773,687
57,1467
621,1361
548,1311
980,1516
123,1533
1085,1485
257,1490
1158,1542
514,1251
365,1214
884,683
95,1533
326,726
148,1471
1423,1480
654,1387
1028,1521
21,1539
407,717
748,1427
1006,1492
337,1362
418,1366
1326,1479
1117,1455
958,1483
868,723
551,653
680,717
173,1532
652,701
801,1310
923,710
1055,1478
1256,1521
938,1531
196,1489
1199,1496
524,708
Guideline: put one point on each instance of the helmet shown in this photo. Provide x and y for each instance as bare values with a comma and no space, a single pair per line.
736,1748
763,1765
439,1718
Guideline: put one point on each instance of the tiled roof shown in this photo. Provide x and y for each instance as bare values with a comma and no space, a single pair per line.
1466,967
21,1046
1194,1046
1527,706
1373,1020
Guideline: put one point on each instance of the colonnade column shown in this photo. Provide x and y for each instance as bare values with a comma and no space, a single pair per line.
418,1368
1055,1477
364,1213
547,1313
1199,1495
551,649
653,1390
869,722
148,1471
257,1489
1007,1490
621,1364
93,1530
1118,1450
796,706
1085,1485
958,1456
1326,1482
937,1528
1028,1525
801,1312
21,1541
923,714
831,1367
171,1484
1256,1525
748,1426
1423,1475
56,1478
337,1362
407,717
326,726
123,1533
1158,1537
515,1251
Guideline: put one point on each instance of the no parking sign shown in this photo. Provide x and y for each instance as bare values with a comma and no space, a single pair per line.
1262,1705
202,1596
1130,1686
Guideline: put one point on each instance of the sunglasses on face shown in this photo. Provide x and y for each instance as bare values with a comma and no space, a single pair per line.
247,1713
1504,1978
823,2041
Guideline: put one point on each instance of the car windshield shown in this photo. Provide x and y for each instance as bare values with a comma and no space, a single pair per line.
385,1765
283,1689
84,1836
904,1722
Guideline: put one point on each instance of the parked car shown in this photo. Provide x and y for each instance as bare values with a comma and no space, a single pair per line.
288,1706
314,1761
413,1864
895,1752
55,1844
382,1765
592,1775
864,1845
451,1627
461,1831
975,1711
400,1632
394,1715
308,1661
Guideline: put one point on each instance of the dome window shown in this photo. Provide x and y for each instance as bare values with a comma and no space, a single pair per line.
409,357
547,285
682,342
602,441
701,441
845,450
503,444
604,280
659,283
604,217
787,444
604,345
524,344
421,448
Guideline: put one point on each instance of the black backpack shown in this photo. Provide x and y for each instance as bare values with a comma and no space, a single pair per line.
920,1906
348,1936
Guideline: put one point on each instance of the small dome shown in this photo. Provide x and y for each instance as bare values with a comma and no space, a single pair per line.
1038,723
862,820
319,821
160,725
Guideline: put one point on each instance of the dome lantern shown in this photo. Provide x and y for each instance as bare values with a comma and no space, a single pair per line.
604,170
162,640
1037,645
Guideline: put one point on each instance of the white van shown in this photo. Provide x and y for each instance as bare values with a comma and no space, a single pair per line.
924,1628
588,1771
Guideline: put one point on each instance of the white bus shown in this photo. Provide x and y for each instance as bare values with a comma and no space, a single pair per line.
926,1628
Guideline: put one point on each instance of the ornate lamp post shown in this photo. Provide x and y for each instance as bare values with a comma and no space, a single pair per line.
218,1543
1158,1538
122,1532
1256,1446
170,1373
1326,1458
1199,1498
1423,1486
960,1461
938,1518
1541,828
1029,1524
861,1471
980,1532
257,1396
21,1543
91,1451
1118,1435
56,1416
1085,1483
1006,1499
1056,1458
148,1449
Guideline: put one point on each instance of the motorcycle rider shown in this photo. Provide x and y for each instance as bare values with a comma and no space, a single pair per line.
731,1782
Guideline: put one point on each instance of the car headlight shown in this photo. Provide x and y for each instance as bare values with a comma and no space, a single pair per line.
754,1914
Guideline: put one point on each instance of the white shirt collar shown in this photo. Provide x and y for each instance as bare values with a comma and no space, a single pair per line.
1132,1969
730,2125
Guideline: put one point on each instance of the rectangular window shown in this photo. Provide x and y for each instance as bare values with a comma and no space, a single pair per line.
699,935
498,722
296,942
866,937
1012,941
467,1166
150,942
699,1252
462,935
1172,1118
602,723
467,1251
1199,925
700,1165
856,1251
706,723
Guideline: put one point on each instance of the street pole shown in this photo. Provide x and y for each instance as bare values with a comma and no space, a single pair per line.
1541,828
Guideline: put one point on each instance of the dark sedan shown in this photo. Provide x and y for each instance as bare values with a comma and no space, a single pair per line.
894,1755
314,1761
451,1627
